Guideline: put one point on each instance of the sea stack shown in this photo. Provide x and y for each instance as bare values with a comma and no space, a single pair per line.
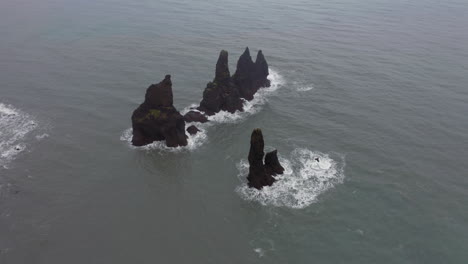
226,92
261,173
250,76
221,94
156,119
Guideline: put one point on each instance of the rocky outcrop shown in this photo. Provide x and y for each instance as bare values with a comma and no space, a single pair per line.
194,116
261,173
272,164
156,119
250,76
226,93
221,94
192,130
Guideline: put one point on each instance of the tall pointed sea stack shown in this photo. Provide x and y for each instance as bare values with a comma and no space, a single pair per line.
221,94
156,119
260,173
250,76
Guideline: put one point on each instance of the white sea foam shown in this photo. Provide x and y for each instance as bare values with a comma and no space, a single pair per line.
304,88
303,180
194,141
253,106
14,127
41,137
260,252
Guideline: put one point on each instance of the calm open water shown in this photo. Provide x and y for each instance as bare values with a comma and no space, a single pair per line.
376,88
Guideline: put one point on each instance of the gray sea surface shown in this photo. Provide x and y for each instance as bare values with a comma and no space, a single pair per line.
376,88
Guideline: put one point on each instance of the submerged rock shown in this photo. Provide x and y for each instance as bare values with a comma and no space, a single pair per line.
156,119
260,173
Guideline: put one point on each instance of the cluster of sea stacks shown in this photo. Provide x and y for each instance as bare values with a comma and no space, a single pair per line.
156,119
261,173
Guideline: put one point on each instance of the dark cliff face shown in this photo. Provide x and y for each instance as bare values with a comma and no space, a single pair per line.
272,164
221,94
159,95
261,71
157,119
261,174
250,76
225,93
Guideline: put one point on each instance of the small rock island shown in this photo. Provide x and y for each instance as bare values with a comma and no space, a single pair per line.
261,173
156,119
226,92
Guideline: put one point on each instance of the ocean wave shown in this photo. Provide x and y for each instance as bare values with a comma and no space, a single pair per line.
304,179
15,125
195,141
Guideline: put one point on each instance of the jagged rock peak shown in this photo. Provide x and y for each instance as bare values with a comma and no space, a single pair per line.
156,119
261,174
261,66
221,94
160,94
272,164
256,146
246,52
222,67
250,76
245,63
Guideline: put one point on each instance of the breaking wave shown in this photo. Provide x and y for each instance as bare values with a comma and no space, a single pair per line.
15,125
194,141
304,179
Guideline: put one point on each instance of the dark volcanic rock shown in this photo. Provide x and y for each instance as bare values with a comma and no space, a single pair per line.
261,174
272,165
250,76
192,130
157,119
221,93
194,116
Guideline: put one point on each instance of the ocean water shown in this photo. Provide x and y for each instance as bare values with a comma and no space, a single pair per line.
376,89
